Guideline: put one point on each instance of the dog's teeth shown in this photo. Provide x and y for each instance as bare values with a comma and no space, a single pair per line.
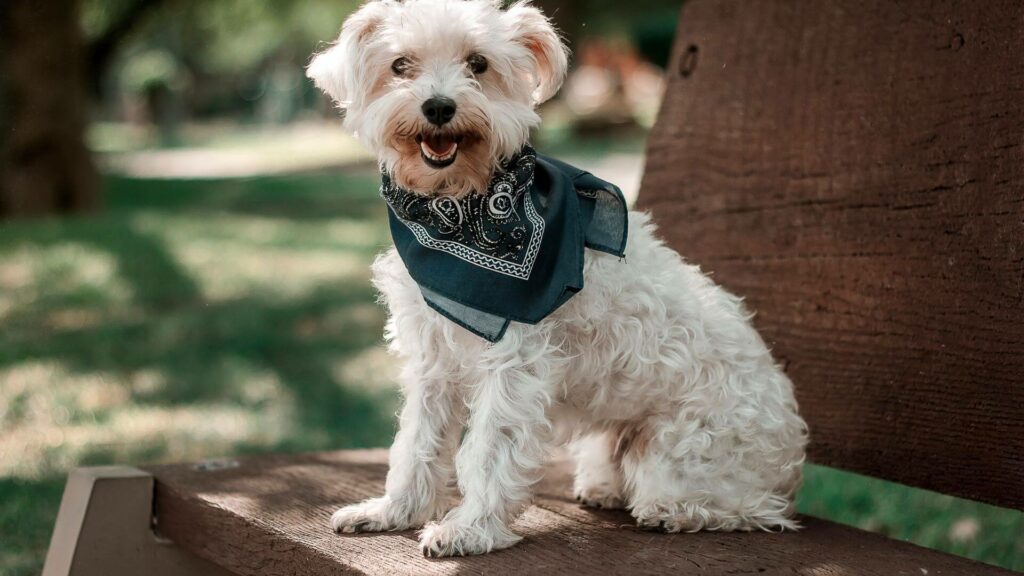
435,157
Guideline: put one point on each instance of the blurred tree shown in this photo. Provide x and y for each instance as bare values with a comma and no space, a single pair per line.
46,167
108,25
578,19
566,14
183,59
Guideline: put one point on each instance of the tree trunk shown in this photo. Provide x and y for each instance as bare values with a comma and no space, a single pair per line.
46,167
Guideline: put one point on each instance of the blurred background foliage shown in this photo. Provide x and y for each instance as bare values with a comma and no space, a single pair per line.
185,237
242,58
214,59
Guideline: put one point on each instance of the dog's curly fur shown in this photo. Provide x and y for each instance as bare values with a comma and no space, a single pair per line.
671,402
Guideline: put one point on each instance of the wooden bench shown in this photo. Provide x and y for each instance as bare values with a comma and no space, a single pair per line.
856,170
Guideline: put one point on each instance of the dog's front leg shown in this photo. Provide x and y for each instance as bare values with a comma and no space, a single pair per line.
420,459
498,462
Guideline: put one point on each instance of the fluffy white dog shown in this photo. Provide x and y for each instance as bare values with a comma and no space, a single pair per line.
670,400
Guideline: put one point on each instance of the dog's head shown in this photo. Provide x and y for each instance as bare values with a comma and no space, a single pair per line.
442,90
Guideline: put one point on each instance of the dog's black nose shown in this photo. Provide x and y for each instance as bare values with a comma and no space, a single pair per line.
439,110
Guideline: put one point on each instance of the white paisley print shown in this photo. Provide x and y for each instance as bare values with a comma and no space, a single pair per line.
500,230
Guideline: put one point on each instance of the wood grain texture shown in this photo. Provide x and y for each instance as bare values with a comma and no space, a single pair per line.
855,170
269,516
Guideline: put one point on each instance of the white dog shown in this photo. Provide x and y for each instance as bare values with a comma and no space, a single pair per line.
670,400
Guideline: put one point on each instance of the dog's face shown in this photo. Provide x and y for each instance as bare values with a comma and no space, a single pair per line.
442,90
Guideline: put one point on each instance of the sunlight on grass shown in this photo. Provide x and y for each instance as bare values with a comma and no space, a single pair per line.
231,256
224,271
52,419
78,277
373,369
211,151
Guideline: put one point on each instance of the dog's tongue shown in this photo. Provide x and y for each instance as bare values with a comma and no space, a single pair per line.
439,145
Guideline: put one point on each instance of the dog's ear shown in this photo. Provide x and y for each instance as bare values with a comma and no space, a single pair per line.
338,70
551,58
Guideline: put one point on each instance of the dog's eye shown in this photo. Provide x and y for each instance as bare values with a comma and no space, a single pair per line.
401,66
477,63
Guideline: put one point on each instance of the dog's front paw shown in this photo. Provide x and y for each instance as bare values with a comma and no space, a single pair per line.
452,537
374,515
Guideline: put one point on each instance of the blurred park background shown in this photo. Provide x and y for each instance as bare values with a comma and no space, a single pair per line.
185,236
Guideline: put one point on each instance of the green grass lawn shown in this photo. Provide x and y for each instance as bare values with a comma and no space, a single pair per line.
196,319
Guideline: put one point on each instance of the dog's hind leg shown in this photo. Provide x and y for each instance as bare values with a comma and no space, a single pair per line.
687,475
598,481
667,491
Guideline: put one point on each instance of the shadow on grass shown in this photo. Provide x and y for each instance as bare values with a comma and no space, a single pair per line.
158,280
309,196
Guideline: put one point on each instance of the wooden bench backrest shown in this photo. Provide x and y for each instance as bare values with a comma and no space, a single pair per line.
855,169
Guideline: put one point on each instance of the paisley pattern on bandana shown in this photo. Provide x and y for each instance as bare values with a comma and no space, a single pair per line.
499,230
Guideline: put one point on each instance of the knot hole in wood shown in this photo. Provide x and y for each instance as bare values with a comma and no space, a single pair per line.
957,41
688,61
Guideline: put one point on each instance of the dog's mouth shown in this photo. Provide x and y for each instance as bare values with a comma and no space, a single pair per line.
439,150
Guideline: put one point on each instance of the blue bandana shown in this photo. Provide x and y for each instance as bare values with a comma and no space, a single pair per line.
514,252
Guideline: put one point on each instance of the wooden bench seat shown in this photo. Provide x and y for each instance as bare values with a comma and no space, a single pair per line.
268,516
855,169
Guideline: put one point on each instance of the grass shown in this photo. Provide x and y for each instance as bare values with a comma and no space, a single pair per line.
979,531
188,319
192,319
